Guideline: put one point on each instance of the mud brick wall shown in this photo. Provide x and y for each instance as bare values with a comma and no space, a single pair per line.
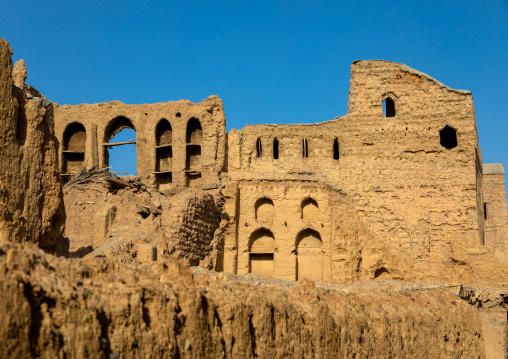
190,224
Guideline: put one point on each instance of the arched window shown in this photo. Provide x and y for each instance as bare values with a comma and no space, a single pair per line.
120,146
310,210
193,162
259,148
164,155
275,149
336,149
309,262
264,209
448,137
164,133
389,107
305,148
194,132
73,151
261,249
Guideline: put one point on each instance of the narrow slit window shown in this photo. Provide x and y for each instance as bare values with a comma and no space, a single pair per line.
259,148
336,149
275,149
389,107
485,210
305,148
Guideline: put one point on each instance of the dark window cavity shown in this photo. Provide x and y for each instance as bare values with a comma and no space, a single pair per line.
275,149
448,137
194,132
259,148
336,149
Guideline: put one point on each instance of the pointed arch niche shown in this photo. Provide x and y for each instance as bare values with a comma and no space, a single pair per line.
261,249
164,155
264,209
193,164
309,259
310,210
73,152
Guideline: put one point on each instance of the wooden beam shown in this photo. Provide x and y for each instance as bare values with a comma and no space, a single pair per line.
131,142
118,182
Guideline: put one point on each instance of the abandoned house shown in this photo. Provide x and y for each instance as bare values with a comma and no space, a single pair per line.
388,190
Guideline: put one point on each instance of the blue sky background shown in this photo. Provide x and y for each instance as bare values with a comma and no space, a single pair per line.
270,61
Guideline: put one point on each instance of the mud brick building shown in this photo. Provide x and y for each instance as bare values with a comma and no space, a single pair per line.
396,188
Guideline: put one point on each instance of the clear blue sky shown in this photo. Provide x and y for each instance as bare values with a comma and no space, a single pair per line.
270,61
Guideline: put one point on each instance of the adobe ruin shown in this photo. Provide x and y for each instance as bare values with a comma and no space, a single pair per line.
395,189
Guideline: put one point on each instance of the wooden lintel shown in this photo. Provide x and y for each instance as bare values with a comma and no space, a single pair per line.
131,142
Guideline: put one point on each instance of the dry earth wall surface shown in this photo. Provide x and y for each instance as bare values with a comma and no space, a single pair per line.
54,307
31,207
129,220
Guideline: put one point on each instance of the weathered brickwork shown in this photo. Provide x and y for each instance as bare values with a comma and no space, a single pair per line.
392,192
190,225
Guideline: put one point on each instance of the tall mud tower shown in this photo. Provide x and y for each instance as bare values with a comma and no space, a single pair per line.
31,205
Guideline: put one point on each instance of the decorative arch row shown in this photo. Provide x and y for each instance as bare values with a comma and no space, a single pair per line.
74,148
264,209
309,254
164,153
305,148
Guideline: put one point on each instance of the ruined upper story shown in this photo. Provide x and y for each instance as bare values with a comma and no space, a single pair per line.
422,118
395,115
178,143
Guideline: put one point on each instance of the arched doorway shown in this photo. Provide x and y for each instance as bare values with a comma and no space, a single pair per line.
309,262
261,248
120,146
